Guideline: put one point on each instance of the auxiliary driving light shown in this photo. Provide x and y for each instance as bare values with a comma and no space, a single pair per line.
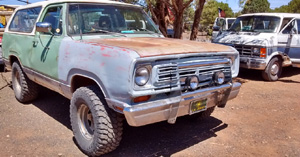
193,82
219,77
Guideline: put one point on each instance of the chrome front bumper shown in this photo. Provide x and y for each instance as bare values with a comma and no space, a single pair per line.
170,109
252,63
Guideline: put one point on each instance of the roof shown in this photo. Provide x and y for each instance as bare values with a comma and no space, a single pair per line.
292,15
45,3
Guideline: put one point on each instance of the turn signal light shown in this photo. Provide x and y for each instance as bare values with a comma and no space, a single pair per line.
141,98
263,52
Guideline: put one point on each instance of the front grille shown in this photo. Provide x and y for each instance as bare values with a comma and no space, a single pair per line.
176,73
205,74
166,75
245,51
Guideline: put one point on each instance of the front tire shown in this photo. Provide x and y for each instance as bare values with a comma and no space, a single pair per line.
273,70
25,90
97,128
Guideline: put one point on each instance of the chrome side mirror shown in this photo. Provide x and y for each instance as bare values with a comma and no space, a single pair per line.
44,27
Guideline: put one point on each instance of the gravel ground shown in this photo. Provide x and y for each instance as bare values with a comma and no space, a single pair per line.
262,121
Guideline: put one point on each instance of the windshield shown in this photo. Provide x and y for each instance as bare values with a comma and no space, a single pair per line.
263,24
230,22
97,18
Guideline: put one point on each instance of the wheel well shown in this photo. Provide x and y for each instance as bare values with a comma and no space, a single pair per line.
13,59
81,81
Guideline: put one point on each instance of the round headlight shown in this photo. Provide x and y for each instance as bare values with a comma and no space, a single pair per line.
193,82
141,76
256,50
219,77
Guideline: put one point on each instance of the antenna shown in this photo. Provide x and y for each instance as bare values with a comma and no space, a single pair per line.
27,2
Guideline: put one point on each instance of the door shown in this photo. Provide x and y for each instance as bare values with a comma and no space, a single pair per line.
44,58
289,42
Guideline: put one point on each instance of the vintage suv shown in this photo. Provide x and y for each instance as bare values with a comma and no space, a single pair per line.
112,62
265,41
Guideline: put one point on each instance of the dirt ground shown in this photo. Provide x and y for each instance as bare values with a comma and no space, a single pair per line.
264,120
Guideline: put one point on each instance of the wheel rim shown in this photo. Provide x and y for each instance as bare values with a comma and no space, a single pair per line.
85,121
274,69
17,81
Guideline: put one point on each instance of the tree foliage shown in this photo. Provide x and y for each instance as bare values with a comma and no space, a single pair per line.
256,6
210,11
292,7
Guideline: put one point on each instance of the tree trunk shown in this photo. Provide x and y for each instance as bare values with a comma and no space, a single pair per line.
178,25
197,18
158,15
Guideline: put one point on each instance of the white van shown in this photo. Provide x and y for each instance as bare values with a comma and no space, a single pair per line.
221,24
265,41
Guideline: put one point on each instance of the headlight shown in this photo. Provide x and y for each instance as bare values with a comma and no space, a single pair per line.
142,76
256,50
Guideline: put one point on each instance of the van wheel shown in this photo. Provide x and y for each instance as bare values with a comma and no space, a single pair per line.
273,70
97,128
25,90
202,115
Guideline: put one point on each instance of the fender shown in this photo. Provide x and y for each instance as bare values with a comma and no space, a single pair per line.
285,58
78,72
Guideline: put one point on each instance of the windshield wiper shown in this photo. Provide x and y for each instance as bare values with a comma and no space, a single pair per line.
105,32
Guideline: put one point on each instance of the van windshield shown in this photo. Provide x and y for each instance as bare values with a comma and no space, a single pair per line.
263,24
97,18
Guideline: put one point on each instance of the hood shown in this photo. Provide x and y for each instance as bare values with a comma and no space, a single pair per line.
147,47
245,38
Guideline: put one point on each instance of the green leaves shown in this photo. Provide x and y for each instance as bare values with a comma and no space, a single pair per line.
256,6
292,7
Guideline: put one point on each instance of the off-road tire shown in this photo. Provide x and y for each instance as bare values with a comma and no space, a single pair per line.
105,126
271,73
202,115
25,90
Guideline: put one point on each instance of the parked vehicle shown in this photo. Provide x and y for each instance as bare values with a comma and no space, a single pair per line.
221,24
116,70
265,41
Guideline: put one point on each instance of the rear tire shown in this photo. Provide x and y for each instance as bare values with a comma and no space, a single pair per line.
25,90
97,128
273,70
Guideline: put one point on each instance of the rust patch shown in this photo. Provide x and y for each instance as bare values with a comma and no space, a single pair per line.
147,47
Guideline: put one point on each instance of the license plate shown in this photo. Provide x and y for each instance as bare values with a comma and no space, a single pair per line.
197,106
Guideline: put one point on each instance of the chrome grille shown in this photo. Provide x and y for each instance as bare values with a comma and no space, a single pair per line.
205,74
166,75
175,74
245,51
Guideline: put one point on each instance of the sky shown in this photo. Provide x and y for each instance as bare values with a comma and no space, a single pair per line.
234,4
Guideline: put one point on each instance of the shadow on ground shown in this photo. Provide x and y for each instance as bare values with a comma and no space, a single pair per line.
160,139
255,75
54,105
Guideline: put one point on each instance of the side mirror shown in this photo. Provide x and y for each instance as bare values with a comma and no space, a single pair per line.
216,28
293,31
44,27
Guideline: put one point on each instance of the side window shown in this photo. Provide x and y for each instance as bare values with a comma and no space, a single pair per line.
24,20
54,17
289,28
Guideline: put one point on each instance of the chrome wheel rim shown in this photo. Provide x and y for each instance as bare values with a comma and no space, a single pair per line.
274,69
85,121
